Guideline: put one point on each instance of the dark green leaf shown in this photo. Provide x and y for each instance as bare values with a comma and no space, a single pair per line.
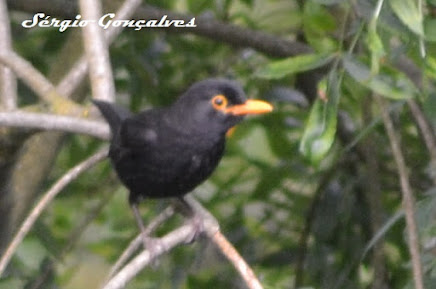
319,133
408,13
281,68
430,29
375,46
395,86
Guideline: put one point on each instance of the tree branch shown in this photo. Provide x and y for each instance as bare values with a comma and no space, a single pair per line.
100,71
238,262
137,242
48,268
8,82
37,82
181,236
210,28
78,72
408,198
55,122
169,241
26,226
426,132
213,232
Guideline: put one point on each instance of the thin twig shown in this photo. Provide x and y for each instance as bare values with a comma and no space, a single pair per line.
210,227
238,262
72,238
8,81
38,82
44,121
137,242
408,198
426,132
31,76
169,241
78,72
100,71
26,226
214,234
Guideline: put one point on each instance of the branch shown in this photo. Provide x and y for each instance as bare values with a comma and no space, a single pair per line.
8,82
409,68
48,268
426,132
31,76
26,226
137,242
210,28
78,72
238,262
228,33
169,241
180,236
55,122
211,228
100,72
38,83
408,198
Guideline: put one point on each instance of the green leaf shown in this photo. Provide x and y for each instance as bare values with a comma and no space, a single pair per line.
430,29
430,68
319,133
408,13
281,68
375,45
394,86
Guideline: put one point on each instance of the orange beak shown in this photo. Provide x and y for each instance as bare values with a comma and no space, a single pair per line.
250,107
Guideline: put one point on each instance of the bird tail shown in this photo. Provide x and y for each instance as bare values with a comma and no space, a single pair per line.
113,114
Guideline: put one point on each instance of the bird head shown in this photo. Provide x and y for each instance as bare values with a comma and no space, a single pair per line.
216,105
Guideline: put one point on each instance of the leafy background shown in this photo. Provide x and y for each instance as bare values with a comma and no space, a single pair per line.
308,194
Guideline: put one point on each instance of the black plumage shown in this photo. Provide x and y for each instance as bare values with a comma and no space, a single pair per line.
167,152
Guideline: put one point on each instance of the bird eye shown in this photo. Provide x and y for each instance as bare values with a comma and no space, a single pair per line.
219,102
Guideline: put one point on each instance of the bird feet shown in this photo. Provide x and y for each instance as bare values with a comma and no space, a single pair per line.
154,246
198,228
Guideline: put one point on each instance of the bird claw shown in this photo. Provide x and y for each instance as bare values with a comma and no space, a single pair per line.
197,229
153,246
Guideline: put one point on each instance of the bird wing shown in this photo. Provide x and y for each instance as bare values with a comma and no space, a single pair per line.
136,133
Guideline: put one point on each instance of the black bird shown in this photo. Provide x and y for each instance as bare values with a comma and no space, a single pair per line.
167,152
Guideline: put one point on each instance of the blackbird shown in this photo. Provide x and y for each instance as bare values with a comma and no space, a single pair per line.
167,152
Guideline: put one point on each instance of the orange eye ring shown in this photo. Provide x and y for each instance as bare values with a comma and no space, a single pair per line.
219,102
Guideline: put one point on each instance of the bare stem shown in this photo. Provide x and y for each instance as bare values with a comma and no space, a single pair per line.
55,122
78,72
214,234
238,262
8,81
168,242
26,226
426,131
100,71
137,242
31,76
38,82
408,198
